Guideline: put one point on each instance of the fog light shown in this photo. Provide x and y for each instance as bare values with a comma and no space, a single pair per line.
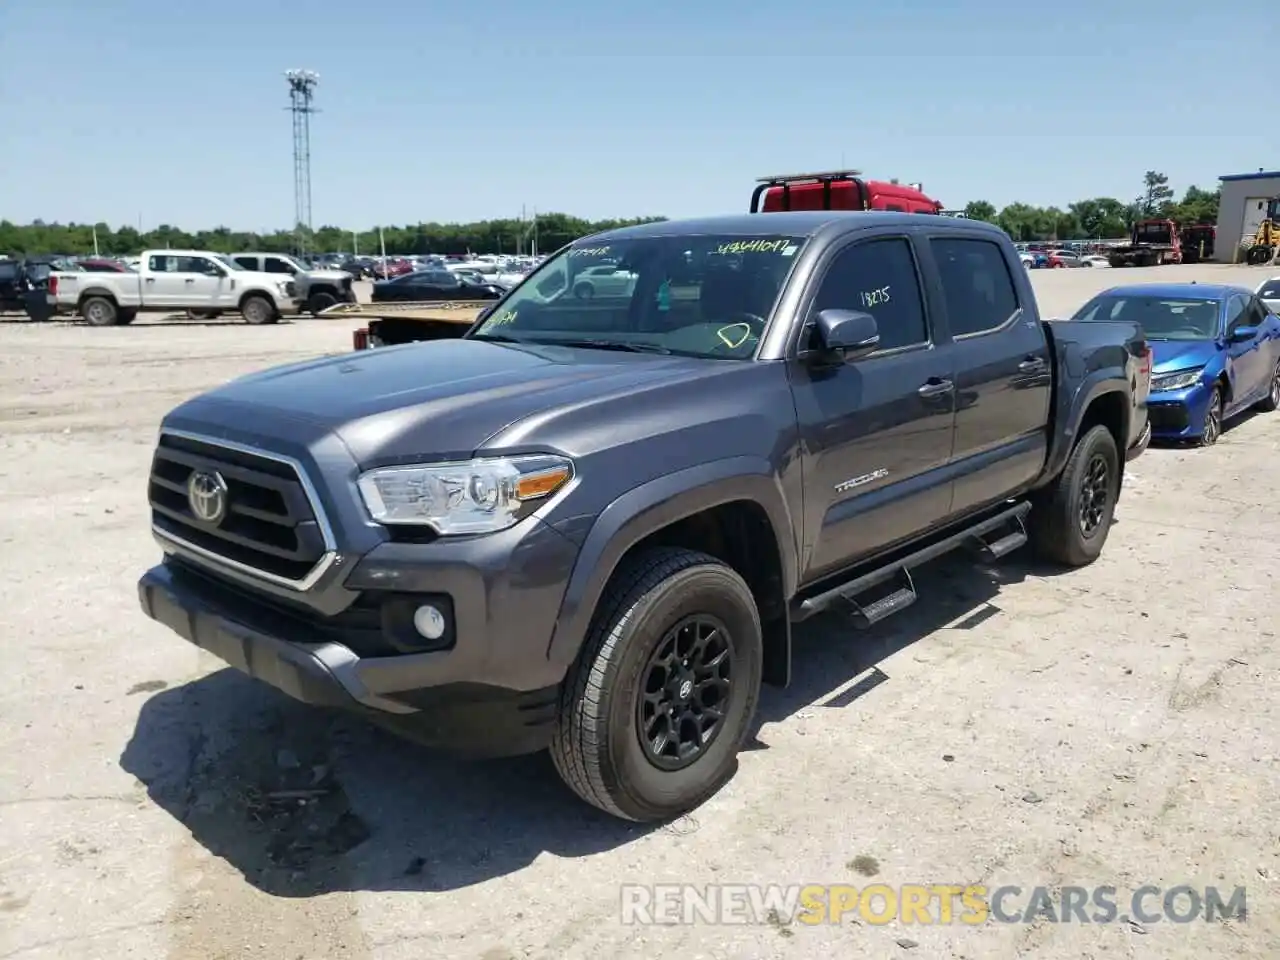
429,622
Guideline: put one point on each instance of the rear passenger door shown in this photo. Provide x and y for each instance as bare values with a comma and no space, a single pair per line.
1003,377
877,432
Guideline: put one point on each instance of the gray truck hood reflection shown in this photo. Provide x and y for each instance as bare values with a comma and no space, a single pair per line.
446,398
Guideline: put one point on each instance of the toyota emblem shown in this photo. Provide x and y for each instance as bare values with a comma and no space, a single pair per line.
207,496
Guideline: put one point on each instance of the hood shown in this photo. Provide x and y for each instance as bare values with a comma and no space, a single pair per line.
1174,355
438,400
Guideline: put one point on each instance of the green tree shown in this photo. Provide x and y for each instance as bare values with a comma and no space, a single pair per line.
980,210
1157,195
1095,218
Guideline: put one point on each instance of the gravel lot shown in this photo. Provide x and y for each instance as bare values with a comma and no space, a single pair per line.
1115,725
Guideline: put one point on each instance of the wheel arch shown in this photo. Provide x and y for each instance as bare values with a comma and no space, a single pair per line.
731,509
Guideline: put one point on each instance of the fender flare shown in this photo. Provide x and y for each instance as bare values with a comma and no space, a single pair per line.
105,292
1095,385
650,507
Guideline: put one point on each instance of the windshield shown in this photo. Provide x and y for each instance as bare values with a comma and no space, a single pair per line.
1270,290
701,296
1162,318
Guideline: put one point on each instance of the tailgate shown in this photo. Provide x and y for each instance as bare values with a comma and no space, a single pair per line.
1099,344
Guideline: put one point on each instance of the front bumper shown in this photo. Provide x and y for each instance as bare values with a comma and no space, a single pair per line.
466,717
1178,414
1140,446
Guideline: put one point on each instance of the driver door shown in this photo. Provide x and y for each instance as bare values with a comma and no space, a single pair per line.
205,284
1250,373
878,432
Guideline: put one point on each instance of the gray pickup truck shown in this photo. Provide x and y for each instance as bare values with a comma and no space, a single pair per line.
589,524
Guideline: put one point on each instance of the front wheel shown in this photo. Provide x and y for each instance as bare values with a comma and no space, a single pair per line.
320,301
1071,518
657,706
1272,400
258,311
1211,429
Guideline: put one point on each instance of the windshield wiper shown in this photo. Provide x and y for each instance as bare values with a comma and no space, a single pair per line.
496,338
622,345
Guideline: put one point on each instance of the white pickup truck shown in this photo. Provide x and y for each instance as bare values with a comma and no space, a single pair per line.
173,281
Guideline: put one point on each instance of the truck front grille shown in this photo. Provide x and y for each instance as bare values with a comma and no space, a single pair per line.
269,526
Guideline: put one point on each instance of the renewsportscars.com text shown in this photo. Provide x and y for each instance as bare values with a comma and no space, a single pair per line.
926,904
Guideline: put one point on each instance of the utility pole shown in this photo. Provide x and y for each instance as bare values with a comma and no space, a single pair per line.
302,88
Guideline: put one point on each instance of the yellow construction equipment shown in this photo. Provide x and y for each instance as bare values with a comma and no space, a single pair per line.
1265,243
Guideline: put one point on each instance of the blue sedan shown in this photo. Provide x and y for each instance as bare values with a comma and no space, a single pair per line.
1217,352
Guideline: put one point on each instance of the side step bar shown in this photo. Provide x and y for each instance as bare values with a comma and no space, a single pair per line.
1009,524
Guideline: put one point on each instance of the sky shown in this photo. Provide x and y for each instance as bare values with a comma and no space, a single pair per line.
149,112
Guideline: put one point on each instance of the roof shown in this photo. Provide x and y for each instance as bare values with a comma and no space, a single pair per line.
1260,175
1184,291
799,223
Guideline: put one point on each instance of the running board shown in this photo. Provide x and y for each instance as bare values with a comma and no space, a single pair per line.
992,550
976,534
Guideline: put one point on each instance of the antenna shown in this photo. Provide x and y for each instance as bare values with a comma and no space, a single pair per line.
302,88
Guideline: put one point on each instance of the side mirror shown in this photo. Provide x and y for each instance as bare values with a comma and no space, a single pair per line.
1243,334
842,336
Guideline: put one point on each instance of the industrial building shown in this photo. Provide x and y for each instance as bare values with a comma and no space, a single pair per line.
1242,208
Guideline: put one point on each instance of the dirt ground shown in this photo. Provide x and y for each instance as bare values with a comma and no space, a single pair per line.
1111,726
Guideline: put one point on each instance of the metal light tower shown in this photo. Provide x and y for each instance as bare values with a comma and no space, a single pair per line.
302,89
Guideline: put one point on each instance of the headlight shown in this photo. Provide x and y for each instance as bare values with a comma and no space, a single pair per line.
1175,381
475,496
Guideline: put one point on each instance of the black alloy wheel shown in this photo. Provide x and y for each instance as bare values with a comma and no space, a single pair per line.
685,690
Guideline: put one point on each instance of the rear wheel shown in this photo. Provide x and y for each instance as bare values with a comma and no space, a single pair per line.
100,312
1071,518
258,311
657,706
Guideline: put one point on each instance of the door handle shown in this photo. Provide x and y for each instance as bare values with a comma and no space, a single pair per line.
1031,365
935,388
151,279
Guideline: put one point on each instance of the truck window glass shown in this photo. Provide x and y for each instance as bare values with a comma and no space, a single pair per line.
276,265
700,295
878,277
246,263
160,264
976,285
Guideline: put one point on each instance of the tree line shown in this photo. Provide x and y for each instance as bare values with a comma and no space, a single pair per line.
1100,217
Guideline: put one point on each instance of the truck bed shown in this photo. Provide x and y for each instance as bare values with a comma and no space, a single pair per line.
390,324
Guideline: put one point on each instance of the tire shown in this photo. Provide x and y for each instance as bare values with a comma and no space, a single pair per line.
584,291
1211,429
100,312
1058,533
128,316
1257,256
320,301
258,310
1272,401
597,747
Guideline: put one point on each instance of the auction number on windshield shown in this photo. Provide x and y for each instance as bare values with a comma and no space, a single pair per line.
762,245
